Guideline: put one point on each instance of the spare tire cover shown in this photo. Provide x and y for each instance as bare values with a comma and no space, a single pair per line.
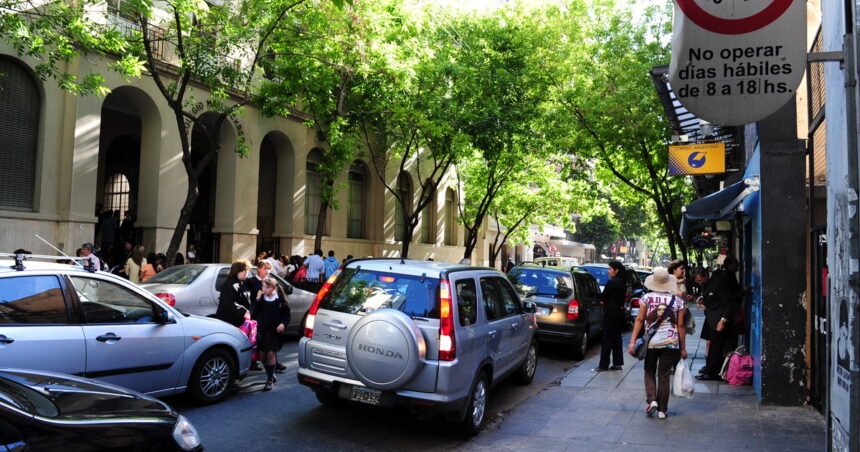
385,349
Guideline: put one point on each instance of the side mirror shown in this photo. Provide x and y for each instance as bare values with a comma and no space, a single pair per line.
164,317
288,289
529,307
564,291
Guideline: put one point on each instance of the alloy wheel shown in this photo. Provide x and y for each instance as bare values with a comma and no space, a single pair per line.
479,402
531,361
215,376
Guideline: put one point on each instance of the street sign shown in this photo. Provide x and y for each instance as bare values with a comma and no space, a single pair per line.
737,61
694,159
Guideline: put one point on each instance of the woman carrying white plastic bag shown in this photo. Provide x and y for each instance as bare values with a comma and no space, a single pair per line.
683,384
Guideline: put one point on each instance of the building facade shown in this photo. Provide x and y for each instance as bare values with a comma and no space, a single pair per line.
63,156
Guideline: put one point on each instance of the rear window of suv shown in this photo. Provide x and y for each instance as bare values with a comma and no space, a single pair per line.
529,280
364,291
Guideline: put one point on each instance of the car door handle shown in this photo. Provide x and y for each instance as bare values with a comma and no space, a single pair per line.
492,332
6,340
339,326
108,337
515,326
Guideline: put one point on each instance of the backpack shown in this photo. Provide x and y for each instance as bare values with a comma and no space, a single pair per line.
740,370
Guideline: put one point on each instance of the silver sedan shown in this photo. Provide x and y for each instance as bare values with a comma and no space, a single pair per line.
194,289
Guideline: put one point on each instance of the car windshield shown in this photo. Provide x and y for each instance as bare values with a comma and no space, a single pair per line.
25,398
600,273
364,291
178,274
534,280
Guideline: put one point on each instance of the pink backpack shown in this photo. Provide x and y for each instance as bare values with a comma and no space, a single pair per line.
740,370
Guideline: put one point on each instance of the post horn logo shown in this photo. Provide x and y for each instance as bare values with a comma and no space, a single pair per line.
696,159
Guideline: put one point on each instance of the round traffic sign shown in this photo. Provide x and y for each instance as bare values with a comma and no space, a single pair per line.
742,25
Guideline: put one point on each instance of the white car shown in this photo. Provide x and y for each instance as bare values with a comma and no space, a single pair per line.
194,289
63,318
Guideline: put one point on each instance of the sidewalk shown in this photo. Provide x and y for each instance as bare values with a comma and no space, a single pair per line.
589,411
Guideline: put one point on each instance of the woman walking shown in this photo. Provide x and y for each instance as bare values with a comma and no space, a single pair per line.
272,314
660,313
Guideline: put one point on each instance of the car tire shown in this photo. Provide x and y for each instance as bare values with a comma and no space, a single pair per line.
211,377
329,399
476,407
526,372
580,347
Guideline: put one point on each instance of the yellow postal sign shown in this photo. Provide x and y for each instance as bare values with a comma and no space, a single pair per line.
695,159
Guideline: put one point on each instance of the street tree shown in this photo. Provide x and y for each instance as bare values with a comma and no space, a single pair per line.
410,120
323,61
609,106
502,88
538,196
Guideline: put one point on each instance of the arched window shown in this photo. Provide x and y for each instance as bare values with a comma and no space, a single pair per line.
313,193
450,218
117,192
428,217
19,135
404,191
357,201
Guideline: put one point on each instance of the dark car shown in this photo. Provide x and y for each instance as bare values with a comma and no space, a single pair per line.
46,411
635,287
569,309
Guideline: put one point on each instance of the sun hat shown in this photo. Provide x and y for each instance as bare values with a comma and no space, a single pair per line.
661,281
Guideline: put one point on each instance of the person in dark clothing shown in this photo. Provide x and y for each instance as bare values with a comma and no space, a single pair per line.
272,313
719,310
613,296
234,303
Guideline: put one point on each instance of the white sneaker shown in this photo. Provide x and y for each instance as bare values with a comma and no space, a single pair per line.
661,415
651,408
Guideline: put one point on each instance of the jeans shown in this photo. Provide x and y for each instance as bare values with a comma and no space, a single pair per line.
659,363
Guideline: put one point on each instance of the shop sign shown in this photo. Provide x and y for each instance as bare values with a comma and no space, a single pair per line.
735,62
692,159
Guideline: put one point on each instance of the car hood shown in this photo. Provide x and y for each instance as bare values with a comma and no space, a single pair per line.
81,397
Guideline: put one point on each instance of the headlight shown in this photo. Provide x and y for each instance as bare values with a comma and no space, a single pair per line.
185,434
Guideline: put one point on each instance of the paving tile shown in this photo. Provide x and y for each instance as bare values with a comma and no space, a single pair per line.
576,445
544,445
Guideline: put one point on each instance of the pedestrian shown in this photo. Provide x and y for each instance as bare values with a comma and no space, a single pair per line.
509,266
148,269
260,256
613,296
331,265
316,270
134,264
254,283
346,260
661,314
272,313
191,254
179,260
91,258
234,302
719,310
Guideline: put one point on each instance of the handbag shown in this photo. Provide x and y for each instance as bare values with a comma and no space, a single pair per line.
689,322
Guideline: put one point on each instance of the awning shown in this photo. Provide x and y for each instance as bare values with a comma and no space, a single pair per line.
716,206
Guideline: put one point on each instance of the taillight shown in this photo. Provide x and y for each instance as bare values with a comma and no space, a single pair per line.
312,312
447,343
573,310
167,298
635,303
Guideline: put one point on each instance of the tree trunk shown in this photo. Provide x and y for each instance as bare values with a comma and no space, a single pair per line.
323,213
184,217
408,231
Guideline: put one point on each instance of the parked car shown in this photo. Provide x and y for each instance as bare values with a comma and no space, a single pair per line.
569,308
194,289
426,335
62,318
48,411
566,263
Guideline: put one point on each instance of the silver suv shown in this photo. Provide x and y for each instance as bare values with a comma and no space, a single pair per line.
425,335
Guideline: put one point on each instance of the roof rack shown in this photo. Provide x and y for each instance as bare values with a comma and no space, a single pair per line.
83,262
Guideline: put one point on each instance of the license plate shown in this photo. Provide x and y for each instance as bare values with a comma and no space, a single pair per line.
366,395
543,312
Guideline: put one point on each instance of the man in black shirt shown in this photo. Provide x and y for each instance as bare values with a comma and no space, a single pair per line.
719,311
614,293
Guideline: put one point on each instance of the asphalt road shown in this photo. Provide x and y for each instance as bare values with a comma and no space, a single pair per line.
290,418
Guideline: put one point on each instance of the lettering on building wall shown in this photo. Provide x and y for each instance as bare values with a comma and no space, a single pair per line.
201,107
